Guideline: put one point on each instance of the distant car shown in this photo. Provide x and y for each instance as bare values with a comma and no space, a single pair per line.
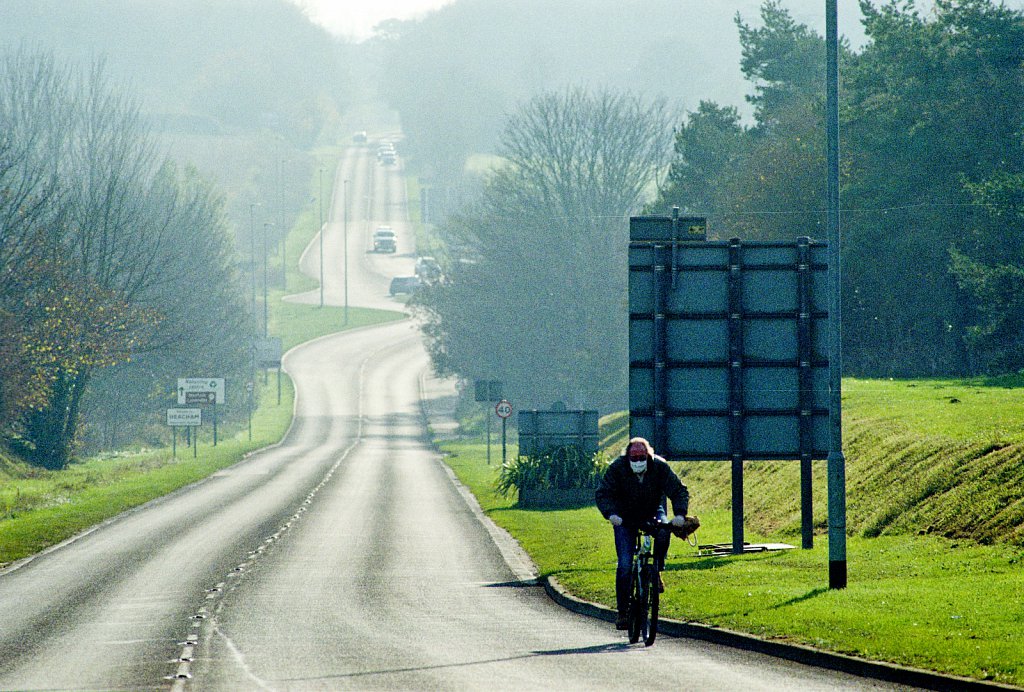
385,240
428,269
405,284
359,137
386,153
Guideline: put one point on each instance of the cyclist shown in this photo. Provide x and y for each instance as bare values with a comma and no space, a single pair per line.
633,490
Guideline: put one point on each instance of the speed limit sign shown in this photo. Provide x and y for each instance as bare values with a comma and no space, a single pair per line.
503,409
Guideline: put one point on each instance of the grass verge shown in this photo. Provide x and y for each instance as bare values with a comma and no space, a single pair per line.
39,508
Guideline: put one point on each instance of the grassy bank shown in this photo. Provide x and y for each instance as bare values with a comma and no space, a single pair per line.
936,565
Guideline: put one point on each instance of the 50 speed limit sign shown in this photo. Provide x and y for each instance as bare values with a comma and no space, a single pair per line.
503,409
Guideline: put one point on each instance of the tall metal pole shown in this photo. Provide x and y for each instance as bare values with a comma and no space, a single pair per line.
252,254
836,460
284,234
321,236
266,310
344,211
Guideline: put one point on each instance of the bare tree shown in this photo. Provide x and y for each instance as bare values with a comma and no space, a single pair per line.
113,220
31,203
542,303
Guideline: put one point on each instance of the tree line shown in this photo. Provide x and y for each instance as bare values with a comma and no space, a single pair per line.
932,179
932,145
117,274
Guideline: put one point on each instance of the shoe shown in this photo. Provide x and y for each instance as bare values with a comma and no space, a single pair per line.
622,622
661,583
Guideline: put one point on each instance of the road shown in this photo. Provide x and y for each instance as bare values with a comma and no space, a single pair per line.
342,558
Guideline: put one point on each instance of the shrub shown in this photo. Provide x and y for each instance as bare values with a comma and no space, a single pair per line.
562,468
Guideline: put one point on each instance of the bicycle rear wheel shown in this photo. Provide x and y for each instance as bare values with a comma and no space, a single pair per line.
651,605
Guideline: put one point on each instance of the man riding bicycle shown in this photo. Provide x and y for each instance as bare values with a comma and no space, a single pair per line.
632,492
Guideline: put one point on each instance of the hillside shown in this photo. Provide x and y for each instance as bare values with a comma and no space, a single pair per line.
940,457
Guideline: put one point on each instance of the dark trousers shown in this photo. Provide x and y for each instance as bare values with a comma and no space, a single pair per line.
625,545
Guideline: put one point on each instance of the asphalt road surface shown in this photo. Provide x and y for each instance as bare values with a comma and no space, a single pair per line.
342,558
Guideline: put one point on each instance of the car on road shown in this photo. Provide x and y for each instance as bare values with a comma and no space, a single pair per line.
405,284
386,153
428,269
359,137
385,239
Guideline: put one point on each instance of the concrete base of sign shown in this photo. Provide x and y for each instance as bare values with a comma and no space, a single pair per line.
726,548
556,497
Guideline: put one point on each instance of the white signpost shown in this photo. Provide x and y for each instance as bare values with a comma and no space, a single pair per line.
183,418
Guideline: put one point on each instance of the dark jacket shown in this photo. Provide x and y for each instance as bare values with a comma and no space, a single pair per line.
622,492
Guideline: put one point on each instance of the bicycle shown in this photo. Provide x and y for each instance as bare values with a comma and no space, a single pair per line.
643,586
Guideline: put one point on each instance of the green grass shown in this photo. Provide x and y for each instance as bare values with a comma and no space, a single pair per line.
298,323
923,601
967,410
936,561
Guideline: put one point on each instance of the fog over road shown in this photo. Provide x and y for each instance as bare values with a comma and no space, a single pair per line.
342,558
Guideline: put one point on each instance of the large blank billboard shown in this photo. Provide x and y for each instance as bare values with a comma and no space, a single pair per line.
728,351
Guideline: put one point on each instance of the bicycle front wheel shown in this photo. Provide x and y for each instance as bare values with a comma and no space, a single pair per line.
651,606
638,590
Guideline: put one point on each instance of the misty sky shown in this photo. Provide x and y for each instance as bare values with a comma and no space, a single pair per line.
356,19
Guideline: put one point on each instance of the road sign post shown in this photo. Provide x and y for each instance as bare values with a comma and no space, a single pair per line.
201,391
267,353
182,417
504,410
488,391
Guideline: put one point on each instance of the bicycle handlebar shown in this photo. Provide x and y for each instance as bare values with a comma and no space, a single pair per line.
649,526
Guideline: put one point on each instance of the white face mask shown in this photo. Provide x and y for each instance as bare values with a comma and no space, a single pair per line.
638,466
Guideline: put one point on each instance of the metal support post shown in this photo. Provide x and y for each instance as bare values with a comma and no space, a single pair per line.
736,405
836,460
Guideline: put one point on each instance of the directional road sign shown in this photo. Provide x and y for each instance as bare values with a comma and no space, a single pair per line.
200,390
184,416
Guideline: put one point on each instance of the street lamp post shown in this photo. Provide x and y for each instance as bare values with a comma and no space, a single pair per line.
248,401
252,254
266,309
836,461
284,234
321,236
344,211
